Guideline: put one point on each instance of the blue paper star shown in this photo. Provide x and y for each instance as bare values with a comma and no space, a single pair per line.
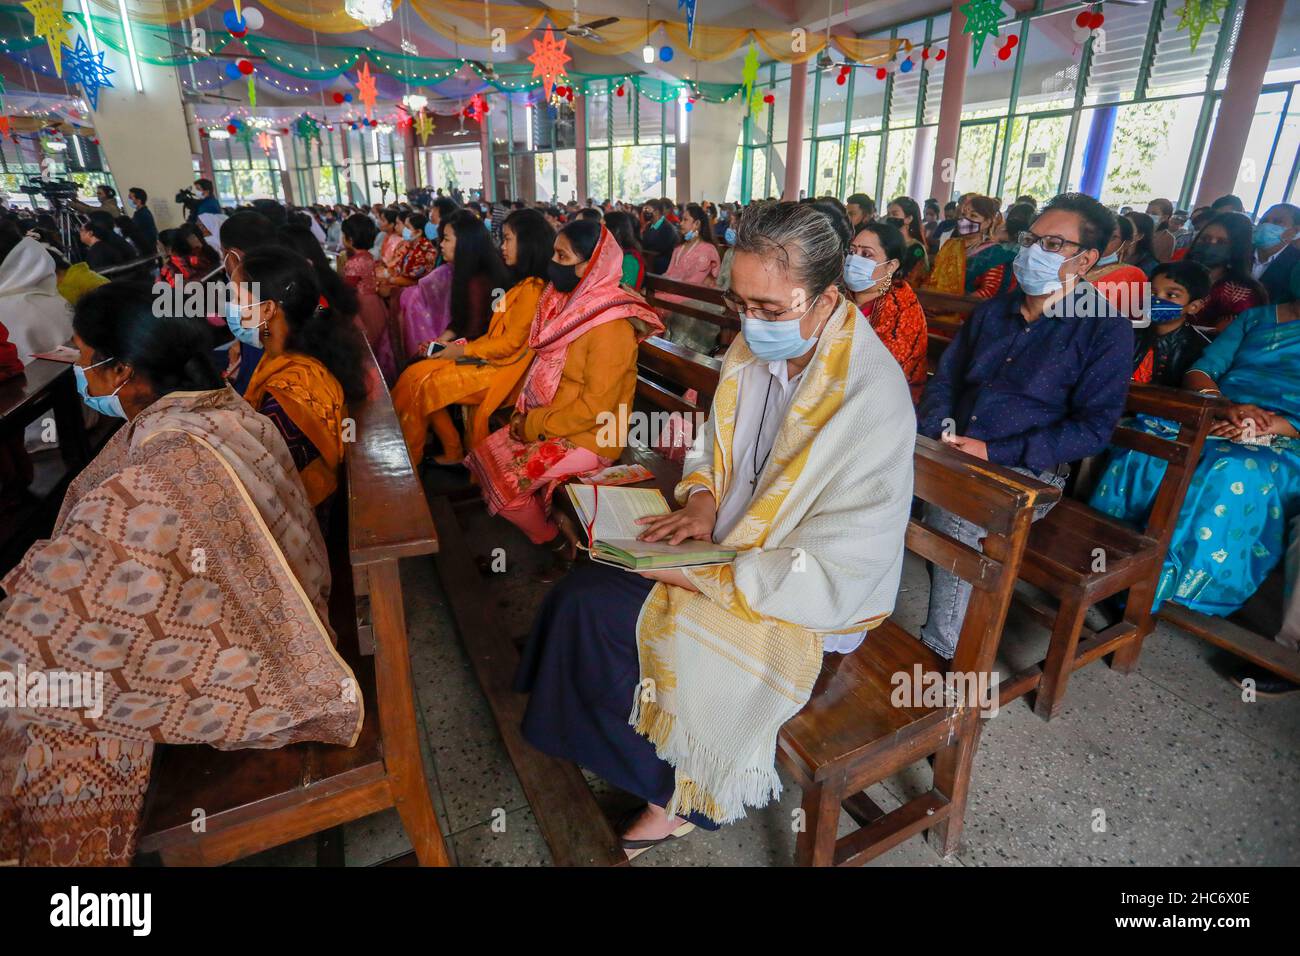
86,69
690,18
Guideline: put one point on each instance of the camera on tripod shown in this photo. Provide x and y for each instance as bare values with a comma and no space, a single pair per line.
187,198
55,191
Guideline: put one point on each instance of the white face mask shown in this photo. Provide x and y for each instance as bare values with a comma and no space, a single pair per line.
1039,271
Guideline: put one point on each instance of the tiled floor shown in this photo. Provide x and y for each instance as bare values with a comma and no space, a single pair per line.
1164,767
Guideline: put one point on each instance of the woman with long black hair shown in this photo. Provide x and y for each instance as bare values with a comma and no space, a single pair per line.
189,532
476,273
1225,246
485,371
311,366
905,215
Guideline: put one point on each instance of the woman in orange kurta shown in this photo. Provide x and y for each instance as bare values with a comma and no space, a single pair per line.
880,290
1124,286
502,355
311,366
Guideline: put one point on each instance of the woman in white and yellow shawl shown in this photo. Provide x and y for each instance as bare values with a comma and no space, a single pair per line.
181,598
673,684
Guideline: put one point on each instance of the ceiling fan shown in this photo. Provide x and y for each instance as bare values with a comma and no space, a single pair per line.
584,31
184,52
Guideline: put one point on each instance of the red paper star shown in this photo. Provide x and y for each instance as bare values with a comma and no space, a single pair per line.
478,107
548,60
366,88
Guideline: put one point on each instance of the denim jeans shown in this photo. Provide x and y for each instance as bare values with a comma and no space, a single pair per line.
949,594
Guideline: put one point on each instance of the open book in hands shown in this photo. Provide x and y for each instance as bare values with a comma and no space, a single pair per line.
610,513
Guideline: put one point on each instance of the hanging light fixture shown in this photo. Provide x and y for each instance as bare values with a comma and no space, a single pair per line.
369,13
415,102
647,51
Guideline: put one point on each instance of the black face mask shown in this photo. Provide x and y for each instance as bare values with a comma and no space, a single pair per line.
1210,256
896,222
564,278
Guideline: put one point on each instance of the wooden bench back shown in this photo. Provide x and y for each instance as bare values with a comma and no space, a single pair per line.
998,499
660,361
696,296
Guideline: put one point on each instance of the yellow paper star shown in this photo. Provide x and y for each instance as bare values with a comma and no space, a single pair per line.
423,126
366,88
548,60
51,26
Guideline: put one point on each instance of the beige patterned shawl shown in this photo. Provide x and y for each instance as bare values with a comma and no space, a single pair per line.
820,551
187,573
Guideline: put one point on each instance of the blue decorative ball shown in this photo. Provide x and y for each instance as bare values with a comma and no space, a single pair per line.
665,53
234,23
232,70
905,66
347,97
689,106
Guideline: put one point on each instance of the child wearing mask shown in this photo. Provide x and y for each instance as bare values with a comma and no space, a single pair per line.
1167,348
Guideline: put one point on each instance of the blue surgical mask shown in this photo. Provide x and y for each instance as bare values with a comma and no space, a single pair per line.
1162,310
1037,270
1107,260
248,335
691,235
431,232
771,341
407,234
104,404
1268,234
859,272
731,236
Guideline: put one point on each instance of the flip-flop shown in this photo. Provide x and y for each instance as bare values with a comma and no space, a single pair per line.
634,848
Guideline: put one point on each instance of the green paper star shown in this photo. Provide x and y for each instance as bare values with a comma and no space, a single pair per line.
749,73
982,19
1196,15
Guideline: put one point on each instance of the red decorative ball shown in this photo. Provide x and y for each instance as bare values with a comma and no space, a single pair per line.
232,128
881,73
620,91
240,35
1013,39
338,97
1083,19
769,99
925,54
203,133
284,131
1095,20
841,79
245,67
1004,53
941,54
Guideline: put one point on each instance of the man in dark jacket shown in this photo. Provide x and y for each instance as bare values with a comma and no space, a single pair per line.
142,218
658,236
1275,251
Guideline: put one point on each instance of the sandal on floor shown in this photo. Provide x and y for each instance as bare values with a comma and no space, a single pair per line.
634,848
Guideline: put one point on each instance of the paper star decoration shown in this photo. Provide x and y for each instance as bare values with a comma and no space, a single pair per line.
548,59
749,74
366,88
477,107
51,26
87,69
1196,15
982,18
423,126
690,19
307,128
264,141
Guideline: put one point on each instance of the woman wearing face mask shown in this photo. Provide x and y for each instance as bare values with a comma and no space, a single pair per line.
1123,285
874,277
973,262
905,215
191,533
1141,251
778,474
310,366
623,228
424,309
694,261
584,338
1225,247
419,255
501,356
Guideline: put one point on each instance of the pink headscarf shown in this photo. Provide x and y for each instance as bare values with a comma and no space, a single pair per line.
561,318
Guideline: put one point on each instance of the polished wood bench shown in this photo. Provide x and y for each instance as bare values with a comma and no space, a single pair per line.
253,800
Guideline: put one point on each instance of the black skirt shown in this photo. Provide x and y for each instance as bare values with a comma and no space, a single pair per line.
581,669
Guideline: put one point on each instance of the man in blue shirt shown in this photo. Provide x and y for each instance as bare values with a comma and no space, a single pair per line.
1035,379
207,202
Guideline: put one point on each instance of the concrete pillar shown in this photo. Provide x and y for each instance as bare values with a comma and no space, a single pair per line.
711,150
794,132
580,147
956,65
916,174
1259,27
145,136
485,157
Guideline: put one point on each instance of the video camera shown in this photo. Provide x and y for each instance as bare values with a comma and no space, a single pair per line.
56,191
187,198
